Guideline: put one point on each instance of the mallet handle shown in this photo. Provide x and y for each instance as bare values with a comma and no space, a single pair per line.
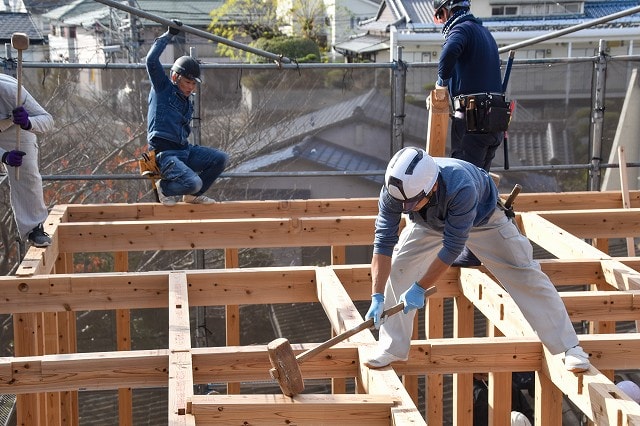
355,330
18,100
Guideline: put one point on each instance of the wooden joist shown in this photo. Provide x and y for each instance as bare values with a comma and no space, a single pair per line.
299,410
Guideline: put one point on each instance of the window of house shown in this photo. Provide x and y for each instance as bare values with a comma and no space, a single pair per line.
537,9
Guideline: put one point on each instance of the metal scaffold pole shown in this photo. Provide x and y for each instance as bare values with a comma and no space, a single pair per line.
597,117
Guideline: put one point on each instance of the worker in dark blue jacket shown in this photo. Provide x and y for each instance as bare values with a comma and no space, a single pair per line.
187,170
469,68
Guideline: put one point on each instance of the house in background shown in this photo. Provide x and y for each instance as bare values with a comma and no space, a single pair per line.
337,20
14,18
409,24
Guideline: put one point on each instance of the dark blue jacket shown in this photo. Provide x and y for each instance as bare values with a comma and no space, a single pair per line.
170,112
469,62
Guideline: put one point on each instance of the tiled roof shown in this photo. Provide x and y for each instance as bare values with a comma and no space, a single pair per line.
374,106
418,15
339,158
84,12
19,22
592,10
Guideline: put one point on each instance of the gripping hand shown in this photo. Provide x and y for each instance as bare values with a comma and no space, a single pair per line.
13,158
174,30
413,298
376,309
21,118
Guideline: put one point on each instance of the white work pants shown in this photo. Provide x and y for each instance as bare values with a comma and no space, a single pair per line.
507,254
27,200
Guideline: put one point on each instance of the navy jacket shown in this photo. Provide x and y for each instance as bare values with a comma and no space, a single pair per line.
170,112
469,62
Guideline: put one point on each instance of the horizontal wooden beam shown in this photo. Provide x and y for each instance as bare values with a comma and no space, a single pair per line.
578,200
228,209
299,410
110,291
149,368
596,223
602,305
214,234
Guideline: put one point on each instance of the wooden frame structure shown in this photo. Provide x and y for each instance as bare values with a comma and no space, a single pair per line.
46,371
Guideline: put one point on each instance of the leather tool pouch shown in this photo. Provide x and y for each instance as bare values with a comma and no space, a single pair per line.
486,113
148,166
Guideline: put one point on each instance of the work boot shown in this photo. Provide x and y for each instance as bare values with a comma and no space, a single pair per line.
382,359
38,237
198,199
576,360
167,200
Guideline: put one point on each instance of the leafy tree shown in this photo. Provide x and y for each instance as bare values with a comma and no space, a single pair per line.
307,17
243,21
300,49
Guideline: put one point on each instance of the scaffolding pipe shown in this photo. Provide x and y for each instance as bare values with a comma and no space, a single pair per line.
399,90
597,117
187,29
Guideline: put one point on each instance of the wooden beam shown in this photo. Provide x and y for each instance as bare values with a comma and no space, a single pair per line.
229,209
86,371
340,309
301,409
149,368
592,392
215,233
596,223
612,305
180,363
438,104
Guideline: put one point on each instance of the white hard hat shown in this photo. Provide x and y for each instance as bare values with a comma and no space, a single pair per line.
519,419
411,175
631,389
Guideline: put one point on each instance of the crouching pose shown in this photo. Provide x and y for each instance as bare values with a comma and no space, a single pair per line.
451,203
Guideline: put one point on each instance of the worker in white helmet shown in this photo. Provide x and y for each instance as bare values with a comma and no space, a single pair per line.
452,203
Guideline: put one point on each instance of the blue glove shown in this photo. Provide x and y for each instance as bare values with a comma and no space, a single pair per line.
21,118
174,30
13,158
376,309
413,298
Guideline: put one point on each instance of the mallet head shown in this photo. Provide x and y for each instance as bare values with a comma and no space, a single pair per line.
19,41
285,367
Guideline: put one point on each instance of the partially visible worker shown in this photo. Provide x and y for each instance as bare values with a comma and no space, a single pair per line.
469,67
25,190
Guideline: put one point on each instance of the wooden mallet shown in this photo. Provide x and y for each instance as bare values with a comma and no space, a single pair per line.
286,366
20,42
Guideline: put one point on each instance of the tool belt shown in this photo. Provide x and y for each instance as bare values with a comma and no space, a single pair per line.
484,112
148,166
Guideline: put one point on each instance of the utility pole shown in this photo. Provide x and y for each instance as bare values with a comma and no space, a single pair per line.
134,34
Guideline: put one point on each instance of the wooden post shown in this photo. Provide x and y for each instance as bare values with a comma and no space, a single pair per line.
123,337
438,104
434,329
232,316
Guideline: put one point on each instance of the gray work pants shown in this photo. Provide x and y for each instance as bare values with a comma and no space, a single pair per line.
507,254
